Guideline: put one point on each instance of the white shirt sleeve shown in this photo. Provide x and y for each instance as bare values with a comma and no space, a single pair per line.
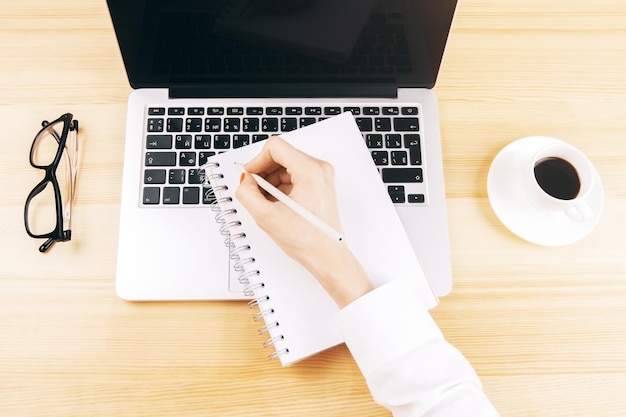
409,367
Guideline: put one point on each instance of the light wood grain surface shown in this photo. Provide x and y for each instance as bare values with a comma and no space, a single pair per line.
545,328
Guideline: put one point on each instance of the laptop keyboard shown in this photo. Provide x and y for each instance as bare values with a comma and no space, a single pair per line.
179,140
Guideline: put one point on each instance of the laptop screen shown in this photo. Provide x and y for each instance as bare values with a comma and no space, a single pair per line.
354,43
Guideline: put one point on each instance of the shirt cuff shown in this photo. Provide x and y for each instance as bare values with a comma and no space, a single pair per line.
385,324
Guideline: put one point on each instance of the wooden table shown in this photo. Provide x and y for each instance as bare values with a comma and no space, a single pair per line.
545,328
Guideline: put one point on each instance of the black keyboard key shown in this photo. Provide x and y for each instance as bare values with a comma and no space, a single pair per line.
371,111
193,124
287,124
232,124
393,140
364,123
151,195
382,124
240,140
259,138
274,111
254,111
160,159
313,111
293,111
221,141
195,176
251,124
177,176
412,143
332,111
374,140
215,111
234,111
381,158
202,141
203,157
399,158
356,111
399,175
406,124
269,124
187,159
409,111
305,121
191,195
159,142
417,198
176,111
212,124
183,142
396,192
154,176
155,125
391,111
156,111
175,124
171,195
196,111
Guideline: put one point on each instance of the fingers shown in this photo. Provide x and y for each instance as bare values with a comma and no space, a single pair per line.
269,214
249,194
281,179
277,153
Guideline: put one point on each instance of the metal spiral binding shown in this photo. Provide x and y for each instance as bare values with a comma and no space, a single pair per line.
273,340
239,250
229,241
245,277
261,314
240,265
220,217
277,354
226,226
250,290
234,254
268,326
257,301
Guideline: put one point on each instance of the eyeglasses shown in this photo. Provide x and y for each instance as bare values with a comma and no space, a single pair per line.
48,206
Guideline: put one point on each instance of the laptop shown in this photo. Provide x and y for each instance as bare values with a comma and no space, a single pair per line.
213,75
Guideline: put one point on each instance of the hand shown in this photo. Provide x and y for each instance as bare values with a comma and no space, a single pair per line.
310,182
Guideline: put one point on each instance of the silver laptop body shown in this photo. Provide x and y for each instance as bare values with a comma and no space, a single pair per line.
171,250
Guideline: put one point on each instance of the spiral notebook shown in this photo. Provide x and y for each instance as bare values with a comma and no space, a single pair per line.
296,311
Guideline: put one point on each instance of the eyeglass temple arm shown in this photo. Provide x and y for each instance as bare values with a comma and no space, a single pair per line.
66,235
47,245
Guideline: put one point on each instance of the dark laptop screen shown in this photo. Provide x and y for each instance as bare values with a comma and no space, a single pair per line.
177,43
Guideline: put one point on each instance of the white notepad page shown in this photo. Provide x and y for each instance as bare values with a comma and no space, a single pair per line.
301,323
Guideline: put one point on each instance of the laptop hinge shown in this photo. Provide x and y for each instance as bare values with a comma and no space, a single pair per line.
284,91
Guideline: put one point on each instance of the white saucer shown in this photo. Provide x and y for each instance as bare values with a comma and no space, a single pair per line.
539,226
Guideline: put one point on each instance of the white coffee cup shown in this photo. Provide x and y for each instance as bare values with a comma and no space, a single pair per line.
559,177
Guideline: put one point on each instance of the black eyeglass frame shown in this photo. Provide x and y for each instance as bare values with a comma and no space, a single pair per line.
59,234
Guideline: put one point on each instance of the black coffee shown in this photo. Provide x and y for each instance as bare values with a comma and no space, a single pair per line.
558,178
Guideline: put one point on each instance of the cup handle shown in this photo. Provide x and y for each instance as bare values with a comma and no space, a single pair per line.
579,212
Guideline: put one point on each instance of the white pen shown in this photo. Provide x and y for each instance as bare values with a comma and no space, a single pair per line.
286,200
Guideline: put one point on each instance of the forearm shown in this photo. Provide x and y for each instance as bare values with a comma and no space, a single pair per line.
409,367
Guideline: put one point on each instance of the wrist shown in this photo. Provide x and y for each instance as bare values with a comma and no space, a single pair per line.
342,276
